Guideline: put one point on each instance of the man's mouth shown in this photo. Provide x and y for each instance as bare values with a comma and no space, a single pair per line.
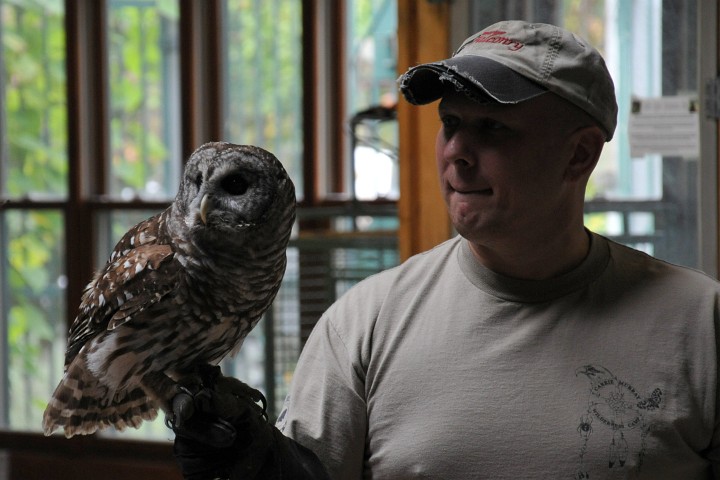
470,191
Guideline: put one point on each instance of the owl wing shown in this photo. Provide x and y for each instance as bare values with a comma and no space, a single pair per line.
139,274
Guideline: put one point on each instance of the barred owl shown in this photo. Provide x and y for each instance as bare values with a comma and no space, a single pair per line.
180,289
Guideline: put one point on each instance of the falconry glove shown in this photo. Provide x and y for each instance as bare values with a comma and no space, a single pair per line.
221,432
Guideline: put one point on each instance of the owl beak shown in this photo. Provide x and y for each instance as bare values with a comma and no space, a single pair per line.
204,208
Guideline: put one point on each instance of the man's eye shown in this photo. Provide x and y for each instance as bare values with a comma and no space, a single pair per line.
449,122
492,125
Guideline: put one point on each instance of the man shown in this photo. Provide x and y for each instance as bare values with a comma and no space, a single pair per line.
527,346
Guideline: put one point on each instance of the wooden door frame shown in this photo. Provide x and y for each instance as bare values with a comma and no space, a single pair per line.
423,32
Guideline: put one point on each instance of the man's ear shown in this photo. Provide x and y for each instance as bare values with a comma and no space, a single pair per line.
587,143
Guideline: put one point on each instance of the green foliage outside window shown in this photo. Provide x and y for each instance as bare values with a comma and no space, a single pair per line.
34,166
34,311
263,76
144,84
34,124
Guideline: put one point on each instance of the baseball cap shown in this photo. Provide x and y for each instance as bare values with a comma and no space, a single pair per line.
513,61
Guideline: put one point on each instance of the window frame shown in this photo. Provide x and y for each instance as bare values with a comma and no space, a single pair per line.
201,120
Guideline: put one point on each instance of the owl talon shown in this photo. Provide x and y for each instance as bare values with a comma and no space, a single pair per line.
189,419
183,408
241,389
263,400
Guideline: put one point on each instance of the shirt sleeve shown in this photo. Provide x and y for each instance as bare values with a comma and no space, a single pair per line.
325,410
713,452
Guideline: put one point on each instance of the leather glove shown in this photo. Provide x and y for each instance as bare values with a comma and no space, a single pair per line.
220,430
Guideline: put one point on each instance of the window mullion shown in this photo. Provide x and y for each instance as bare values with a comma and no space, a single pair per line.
200,72
87,138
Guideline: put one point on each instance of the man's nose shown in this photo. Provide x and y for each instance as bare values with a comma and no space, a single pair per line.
459,150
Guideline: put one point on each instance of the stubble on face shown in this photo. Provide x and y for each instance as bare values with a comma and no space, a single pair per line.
510,180
501,167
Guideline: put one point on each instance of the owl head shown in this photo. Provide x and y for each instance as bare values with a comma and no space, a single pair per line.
230,193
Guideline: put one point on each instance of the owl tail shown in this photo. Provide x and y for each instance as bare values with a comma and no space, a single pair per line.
81,405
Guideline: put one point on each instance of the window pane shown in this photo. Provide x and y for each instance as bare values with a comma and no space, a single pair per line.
144,98
375,159
263,78
655,195
111,226
372,53
371,96
32,320
33,122
286,339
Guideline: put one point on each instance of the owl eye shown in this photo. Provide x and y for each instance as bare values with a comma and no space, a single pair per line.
234,185
198,180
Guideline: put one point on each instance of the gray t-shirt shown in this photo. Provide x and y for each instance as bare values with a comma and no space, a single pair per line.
440,368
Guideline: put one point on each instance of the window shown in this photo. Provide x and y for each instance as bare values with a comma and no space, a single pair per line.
143,92
101,102
372,95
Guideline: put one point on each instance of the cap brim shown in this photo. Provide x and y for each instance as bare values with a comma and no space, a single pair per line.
480,77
